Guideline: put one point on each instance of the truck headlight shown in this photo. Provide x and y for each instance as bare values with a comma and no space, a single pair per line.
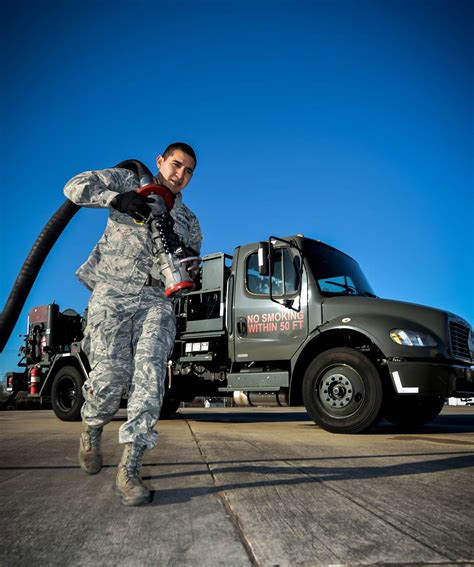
411,338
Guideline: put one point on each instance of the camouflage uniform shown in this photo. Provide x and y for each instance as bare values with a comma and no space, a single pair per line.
131,326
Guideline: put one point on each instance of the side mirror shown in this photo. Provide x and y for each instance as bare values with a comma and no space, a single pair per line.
263,258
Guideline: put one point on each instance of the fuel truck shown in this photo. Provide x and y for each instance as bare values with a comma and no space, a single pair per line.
292,320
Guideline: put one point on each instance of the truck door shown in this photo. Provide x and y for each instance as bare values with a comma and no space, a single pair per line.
266,329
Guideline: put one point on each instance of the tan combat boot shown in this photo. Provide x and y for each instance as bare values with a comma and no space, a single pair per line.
90,455
129,484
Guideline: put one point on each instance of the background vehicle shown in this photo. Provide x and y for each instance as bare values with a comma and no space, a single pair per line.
290,318
460,401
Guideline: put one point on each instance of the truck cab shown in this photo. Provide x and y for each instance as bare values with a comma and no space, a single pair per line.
296,319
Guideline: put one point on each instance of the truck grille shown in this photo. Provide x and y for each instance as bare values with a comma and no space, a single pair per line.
459,334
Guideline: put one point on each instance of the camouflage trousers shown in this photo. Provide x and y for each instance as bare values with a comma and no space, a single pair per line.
128,340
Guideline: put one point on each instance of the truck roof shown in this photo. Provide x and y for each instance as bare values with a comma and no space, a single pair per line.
323,244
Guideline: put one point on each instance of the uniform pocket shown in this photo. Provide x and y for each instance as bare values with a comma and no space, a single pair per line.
121,250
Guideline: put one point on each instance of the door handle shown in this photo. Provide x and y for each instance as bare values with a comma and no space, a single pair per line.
242,327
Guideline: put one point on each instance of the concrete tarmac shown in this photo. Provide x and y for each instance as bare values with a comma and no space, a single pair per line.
251,486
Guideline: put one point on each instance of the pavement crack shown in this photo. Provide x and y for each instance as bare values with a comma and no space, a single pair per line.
14,476
233,516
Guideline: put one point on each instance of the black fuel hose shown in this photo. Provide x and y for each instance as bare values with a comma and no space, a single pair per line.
144,175
31,267
41,248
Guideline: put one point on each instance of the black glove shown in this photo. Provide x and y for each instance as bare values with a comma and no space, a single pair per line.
133,204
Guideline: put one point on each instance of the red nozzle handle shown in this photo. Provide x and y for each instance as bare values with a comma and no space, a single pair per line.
161,190
175,288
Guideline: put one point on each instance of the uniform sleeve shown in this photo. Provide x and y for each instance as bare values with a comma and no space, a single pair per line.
195,235
98,188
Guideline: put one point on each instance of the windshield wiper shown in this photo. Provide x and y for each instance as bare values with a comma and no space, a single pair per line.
353,290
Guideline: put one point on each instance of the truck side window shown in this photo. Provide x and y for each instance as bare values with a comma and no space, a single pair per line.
285,278
291,270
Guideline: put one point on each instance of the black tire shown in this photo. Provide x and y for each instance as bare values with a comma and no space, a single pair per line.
342,391
169,407
412,411
66,394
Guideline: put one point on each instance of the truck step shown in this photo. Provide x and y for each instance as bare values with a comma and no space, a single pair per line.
269,381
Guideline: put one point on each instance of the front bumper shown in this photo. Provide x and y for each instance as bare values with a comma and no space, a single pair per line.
431,379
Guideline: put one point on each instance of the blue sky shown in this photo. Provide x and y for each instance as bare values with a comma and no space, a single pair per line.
347,121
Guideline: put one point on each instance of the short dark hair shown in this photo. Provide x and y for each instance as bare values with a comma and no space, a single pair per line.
186,148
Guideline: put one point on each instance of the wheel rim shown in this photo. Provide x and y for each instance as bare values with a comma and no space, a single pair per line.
66,393
340,390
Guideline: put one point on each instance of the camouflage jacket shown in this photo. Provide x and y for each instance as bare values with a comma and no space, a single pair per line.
123,257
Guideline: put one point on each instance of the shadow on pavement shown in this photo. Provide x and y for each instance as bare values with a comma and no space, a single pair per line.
255,416
445,423
307,475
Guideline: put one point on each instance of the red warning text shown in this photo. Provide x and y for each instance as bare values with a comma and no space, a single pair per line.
284,321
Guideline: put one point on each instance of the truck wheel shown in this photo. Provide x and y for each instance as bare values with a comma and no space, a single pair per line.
342,391
413,411
66,394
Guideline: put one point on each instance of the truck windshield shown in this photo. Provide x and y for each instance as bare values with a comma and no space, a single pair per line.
334,272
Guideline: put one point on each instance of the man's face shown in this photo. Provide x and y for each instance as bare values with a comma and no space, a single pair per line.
175,171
